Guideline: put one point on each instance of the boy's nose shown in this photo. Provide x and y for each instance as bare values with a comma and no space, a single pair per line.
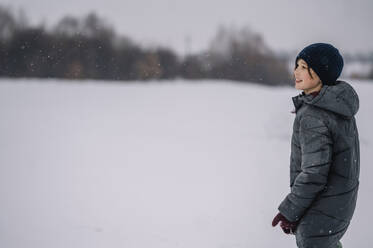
296,71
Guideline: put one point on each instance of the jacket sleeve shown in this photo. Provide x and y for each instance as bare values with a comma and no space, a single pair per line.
316,157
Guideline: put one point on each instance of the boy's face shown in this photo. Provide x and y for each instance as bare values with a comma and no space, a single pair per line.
303,80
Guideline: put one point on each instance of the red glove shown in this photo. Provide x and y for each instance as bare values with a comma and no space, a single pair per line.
287,226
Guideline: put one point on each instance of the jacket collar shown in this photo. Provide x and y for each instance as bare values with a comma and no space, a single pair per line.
303,97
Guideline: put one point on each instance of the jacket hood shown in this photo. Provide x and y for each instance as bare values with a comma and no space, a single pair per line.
339,98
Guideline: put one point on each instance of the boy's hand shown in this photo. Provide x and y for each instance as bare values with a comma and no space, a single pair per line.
287,226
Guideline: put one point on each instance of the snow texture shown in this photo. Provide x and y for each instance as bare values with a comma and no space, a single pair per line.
159,164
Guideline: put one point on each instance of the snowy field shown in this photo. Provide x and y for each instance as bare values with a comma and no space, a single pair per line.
180,164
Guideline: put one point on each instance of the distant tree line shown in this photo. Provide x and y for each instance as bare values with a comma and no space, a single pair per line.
89,48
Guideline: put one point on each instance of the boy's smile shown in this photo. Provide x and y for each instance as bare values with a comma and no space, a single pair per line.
303,80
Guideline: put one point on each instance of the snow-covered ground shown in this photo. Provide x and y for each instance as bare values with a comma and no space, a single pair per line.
154,165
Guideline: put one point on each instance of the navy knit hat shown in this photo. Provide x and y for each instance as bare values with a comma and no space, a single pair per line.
324,59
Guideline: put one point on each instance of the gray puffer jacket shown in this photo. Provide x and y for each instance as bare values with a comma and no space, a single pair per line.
324,166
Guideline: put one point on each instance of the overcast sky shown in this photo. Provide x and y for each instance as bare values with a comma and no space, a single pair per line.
284,24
